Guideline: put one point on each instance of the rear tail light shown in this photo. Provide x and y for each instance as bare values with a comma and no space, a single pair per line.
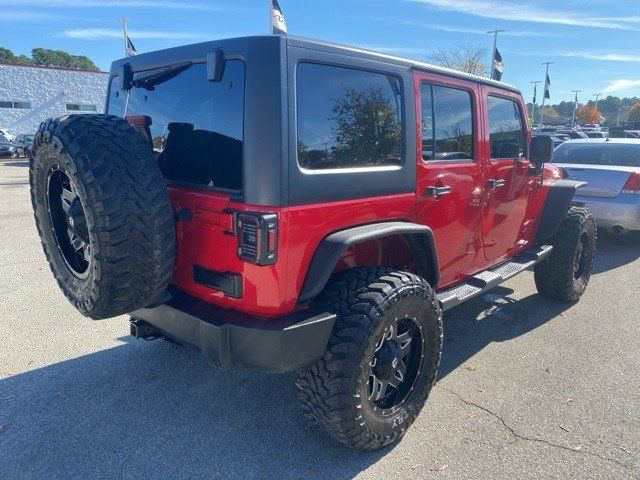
552,172
257,237
633,184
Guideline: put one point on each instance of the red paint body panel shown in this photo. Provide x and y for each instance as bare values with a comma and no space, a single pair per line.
507,227
454,218
474,228
273,290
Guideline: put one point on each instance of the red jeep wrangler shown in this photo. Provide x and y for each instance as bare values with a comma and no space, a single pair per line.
283,204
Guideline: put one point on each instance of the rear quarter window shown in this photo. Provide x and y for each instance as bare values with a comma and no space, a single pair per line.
347,118
196,129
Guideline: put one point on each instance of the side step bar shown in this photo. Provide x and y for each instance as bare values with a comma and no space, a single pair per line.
488,279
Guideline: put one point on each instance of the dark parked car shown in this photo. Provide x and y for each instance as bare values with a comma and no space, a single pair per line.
572,134
22,144
597,134
6,148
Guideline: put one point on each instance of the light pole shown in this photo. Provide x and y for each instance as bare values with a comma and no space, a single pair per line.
619,113
544,95
533,103
124,21
575,106
493,52
597,95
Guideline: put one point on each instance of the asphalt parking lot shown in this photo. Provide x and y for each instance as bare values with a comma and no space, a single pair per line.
528,388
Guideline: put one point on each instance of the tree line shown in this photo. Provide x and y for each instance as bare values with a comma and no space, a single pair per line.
611,108
44,57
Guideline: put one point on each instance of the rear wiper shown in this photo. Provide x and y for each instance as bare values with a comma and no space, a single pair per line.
151,80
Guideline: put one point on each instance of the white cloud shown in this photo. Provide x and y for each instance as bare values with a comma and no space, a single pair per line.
622,85
102,33
523,12
610,57
167,4
476,31
17,16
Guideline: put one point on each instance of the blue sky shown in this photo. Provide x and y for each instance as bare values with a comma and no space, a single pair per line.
595,43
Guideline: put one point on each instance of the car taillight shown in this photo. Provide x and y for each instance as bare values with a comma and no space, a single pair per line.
633,184
257,237
551,172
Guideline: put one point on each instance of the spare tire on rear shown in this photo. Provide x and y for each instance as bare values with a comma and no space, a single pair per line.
103,213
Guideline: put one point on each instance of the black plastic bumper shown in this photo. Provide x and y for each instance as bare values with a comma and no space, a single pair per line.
233,340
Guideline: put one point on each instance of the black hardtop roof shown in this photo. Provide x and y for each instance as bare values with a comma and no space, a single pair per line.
198,51
400,61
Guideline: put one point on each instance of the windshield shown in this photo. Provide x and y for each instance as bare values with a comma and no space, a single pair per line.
624,155
194,126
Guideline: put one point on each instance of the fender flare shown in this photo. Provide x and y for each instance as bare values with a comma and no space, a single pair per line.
419,238
556,205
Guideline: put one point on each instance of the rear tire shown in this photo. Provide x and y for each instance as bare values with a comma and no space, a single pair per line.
103,214
564,276
381,360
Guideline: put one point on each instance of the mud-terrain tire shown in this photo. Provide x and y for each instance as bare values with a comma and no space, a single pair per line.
564,276
338,393
103,213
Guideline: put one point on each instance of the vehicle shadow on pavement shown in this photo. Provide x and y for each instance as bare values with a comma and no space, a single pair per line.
158,410
613,252
494,317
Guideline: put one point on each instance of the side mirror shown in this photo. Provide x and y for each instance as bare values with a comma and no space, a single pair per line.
215,66
541,150
126,77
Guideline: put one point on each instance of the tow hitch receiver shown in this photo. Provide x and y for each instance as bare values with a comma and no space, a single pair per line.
143,330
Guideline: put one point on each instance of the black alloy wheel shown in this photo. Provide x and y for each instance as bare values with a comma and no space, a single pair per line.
395,364
69,222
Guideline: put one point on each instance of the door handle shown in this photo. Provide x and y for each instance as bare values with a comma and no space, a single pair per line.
438,191
494,183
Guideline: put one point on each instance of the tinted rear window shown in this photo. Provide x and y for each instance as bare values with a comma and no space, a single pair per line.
347,118
196,129
599,154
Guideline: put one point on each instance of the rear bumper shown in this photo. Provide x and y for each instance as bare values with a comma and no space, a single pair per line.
623,210
236,341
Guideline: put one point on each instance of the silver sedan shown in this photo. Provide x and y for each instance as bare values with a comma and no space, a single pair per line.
611,168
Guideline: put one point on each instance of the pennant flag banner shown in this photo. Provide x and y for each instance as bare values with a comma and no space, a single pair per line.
278,25
131,50
547,84
498,66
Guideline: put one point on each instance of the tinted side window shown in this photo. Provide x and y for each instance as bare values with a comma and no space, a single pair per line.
347,118
506,129
453,130
196,126
426,127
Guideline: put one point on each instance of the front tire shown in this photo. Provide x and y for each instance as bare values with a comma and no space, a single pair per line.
381,360
564,276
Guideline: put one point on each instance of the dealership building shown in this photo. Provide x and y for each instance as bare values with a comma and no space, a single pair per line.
30,94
